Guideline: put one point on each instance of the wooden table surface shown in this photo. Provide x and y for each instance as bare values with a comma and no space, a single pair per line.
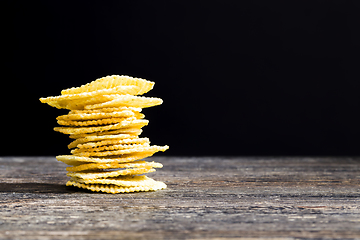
206,198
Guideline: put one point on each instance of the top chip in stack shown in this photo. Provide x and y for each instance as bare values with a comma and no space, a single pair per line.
105,122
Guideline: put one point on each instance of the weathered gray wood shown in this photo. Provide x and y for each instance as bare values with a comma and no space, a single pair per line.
207,197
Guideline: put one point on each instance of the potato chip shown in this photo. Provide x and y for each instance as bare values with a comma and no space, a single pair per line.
127,100
111,82
99,138
79,103
116,147
106,174
135,131
113,165
138,149
77,160
105,110
113,142
124,124
117,189
124,181
94,116
105,121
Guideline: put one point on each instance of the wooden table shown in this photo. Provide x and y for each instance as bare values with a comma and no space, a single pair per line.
206,198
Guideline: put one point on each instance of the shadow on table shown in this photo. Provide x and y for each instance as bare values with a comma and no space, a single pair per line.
35,188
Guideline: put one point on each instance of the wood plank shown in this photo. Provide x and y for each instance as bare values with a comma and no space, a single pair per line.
207,197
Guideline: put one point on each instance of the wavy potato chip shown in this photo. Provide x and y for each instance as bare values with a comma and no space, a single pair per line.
127,100
97,138
117,189
116,147
105,110
73,160
135,131
113,81
105,121
138,149
78,103
106,174
95,116
124,181
127,123
113,165
111,142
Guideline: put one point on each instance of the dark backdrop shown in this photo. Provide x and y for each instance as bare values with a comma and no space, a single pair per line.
236,77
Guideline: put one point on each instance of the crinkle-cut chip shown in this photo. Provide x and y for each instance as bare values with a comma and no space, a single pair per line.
105,110
76,160
124,124
111,82
110,188
114,141
108,148
105,121
85,95
124,181
94,166
78,101
135,131
95,116
123,151
99,138
106,174
127,100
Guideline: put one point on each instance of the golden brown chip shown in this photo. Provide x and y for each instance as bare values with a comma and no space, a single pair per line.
117,189
111,82
127,123
138,149
105,110
124,181
93,166
96,138
77,160
78,101
105,121
135,131
127,100
114,141
94,116
116,147
106,174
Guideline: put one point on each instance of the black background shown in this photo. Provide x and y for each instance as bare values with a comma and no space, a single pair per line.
236,77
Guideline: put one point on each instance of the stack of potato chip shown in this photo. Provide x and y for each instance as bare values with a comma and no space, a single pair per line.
105,121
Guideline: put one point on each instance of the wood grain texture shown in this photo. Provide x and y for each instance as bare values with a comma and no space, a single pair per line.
206,198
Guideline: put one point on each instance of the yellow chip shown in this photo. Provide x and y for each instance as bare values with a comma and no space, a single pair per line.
124,124
135,131
111,82
102,174
94,116
105,121
113,142
124,181
116,189
77,101
92,166
117,147
127,100
105,110
99,138
138,149
77,160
